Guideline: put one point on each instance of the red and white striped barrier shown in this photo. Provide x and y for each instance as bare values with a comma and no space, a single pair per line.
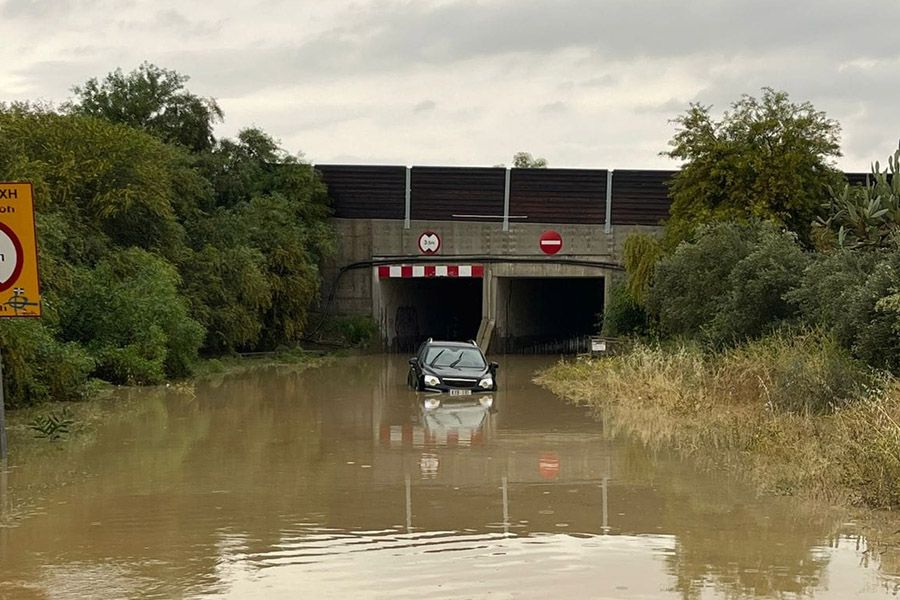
416,436
412,271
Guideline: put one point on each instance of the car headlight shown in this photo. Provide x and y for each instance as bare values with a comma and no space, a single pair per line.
486,383
431,380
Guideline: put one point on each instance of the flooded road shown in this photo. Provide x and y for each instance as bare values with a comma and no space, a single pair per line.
334,483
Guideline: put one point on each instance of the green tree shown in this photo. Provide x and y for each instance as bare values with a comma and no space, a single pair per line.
254,268
97,185
153,99
524,160
640,253
766,158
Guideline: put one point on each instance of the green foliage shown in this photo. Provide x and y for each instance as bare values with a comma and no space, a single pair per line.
804,372
729,284
640,253
688,284
52,426
756,286
853,295
866,216
622,315
524,160
253,272
128,312
357,330
791,412
767,158
37,367
154,237
869,450
96,184
229,291
153,99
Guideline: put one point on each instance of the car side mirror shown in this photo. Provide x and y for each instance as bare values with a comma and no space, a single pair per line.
413,361
494,366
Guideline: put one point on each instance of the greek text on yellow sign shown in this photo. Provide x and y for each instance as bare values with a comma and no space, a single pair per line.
19,292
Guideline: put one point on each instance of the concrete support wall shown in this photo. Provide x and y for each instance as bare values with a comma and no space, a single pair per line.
359,291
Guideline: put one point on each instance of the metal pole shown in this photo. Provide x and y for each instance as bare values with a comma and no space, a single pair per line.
505,486
3,448
606,496
4,509
407,196
506,201
607,227
408,505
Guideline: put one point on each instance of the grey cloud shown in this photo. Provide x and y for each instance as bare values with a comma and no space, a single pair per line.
601,81
44,9
862,100
673,107
57,77
554,108
425,106
620,29
395,37
14,9
174,22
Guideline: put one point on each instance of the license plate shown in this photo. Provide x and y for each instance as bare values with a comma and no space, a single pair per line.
460,392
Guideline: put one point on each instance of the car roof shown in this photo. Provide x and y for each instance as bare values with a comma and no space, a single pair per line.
451,344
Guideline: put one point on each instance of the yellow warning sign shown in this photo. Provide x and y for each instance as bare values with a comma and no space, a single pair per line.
19,292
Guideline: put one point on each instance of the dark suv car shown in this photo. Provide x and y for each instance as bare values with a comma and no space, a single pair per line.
457,368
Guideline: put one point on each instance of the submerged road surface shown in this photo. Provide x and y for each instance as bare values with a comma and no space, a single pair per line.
332,483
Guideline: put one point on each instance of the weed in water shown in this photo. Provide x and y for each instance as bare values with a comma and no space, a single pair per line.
52,426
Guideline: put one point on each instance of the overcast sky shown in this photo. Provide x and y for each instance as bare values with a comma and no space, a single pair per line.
583,83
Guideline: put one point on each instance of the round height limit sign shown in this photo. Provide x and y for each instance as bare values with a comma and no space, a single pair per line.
429,242
19,292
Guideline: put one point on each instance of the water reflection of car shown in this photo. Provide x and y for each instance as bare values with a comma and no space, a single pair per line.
456,368
454,424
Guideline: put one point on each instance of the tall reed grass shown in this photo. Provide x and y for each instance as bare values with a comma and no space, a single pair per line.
792,412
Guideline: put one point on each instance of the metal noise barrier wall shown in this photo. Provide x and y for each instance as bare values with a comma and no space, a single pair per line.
637,197
580,344
535,195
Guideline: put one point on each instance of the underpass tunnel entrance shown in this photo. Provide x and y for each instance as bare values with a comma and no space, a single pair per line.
547,314
440,308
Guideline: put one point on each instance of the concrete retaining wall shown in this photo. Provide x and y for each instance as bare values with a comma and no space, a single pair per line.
358,291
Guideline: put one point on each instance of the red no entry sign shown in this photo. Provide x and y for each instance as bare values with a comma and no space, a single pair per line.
551,242
548,465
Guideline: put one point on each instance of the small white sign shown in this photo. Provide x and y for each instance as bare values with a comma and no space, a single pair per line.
429,242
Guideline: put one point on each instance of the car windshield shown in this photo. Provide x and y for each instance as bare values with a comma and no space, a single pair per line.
447,356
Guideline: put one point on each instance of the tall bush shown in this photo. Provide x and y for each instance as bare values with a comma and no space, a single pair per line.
37,367
850,293
728,284
129,315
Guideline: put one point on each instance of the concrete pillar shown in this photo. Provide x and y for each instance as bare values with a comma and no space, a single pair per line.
488,309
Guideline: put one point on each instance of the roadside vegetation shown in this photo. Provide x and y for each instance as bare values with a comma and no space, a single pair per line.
159,244
761,331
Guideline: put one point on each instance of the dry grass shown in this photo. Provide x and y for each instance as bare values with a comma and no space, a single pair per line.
792,413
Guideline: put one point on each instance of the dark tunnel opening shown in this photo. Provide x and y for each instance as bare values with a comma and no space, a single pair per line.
547,314
440,308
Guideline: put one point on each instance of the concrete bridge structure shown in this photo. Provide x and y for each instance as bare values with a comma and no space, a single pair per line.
457,252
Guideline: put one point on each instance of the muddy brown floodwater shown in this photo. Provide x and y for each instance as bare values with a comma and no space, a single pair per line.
333,483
